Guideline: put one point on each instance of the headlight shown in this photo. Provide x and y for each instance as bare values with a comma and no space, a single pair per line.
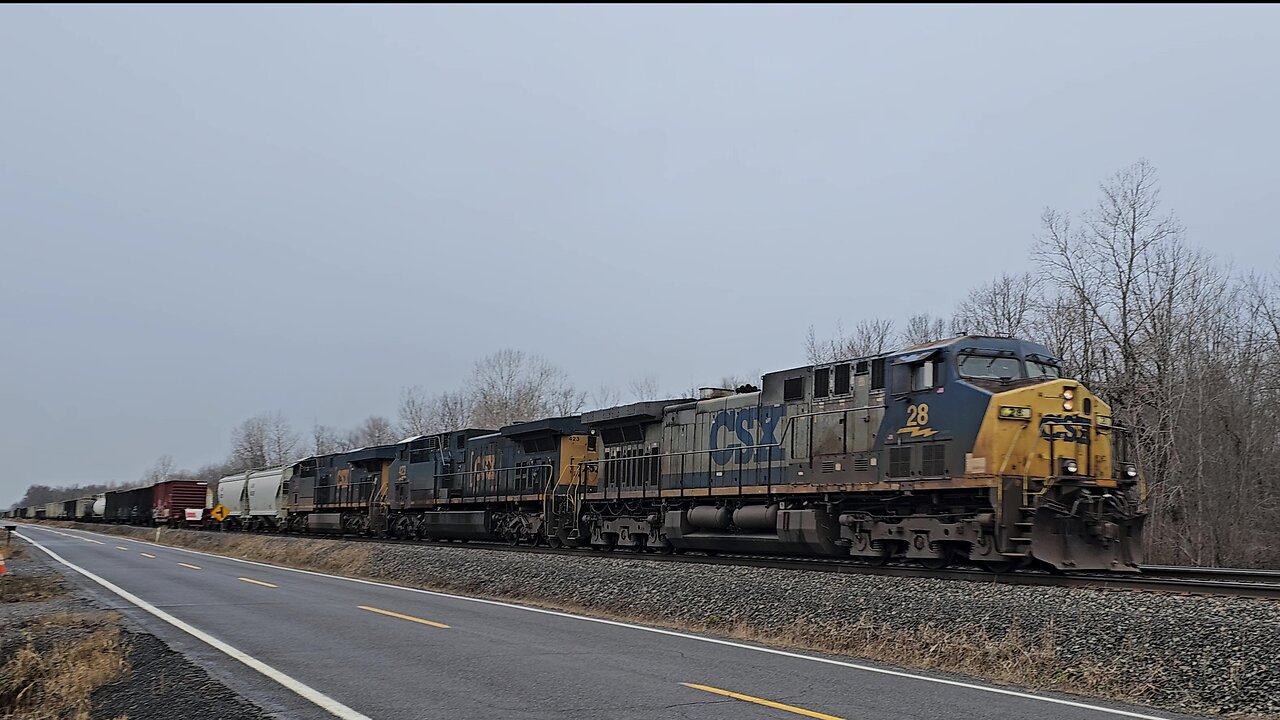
1130,472
1067,405
1068,393
1070,467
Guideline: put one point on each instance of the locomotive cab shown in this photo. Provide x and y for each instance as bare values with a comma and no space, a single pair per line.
986,453
1056,452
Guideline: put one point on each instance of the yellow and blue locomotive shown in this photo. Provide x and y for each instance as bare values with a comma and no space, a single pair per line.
972,448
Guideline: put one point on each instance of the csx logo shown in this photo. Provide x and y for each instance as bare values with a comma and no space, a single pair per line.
1057,429
740,434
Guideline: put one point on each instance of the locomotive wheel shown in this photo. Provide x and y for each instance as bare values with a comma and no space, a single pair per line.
935,563
998,566
610,542
880,560
555,542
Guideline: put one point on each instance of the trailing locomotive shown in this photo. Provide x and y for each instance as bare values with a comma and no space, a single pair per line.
968,449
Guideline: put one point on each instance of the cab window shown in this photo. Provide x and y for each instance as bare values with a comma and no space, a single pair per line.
991,367
1042,370
917,376
922,375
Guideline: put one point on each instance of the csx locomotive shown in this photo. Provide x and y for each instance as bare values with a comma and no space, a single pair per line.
969,449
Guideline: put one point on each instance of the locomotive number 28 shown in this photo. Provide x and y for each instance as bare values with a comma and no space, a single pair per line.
918,414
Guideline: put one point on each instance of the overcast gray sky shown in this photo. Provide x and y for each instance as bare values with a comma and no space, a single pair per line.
209,213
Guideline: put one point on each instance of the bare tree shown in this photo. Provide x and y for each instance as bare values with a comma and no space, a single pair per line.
159,472
326,440
604,396
421,414
263,441
733,382
923,328
415,411
1180,350
510,386
565,400
1003,307
869,337
282,441
451,411
644,388
374,430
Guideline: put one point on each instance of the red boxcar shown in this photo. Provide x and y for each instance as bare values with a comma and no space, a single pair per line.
172,498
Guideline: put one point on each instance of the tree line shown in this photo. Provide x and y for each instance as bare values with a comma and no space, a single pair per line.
1185,347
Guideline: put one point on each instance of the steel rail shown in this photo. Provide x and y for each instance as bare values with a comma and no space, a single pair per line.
1218,582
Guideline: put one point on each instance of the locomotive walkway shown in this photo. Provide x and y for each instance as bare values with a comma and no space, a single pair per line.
308,645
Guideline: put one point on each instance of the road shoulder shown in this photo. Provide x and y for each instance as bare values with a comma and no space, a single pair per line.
70,651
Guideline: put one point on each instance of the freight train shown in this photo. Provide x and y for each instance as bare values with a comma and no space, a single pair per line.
971,449
168,502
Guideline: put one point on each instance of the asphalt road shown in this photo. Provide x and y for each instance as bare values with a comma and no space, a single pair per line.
387,652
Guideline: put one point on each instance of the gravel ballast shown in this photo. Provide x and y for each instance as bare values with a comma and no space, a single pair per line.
1193,654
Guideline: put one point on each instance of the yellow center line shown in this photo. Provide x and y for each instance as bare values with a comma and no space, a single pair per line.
762,701
193,567
410,618
257,582
121,547
147,555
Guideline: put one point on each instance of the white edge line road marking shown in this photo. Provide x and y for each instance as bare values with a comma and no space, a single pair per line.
687,636
324,701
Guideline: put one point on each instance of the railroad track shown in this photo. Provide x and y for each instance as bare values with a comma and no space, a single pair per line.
1222,582
1228,582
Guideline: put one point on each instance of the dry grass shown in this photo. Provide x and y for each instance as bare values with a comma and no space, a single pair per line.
26,588
55,683
73,619
14,550
334,556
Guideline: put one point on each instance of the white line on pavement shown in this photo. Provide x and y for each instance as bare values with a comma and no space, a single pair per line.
688,636
324,701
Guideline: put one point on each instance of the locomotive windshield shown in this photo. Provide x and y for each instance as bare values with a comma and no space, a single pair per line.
1006,366
1041,369
991,367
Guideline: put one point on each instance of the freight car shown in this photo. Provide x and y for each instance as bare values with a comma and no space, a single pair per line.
170,499
131,506
255,500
